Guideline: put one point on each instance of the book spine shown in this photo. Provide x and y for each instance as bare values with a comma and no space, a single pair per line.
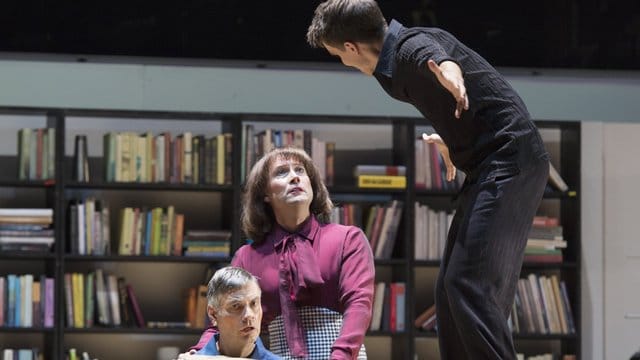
382,181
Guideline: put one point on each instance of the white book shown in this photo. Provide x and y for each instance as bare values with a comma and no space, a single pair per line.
101,298
114,299
378,300
27,301
7,354
556,179
26,212
82,248
386,222
26,240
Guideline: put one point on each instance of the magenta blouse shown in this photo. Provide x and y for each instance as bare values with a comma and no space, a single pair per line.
322,265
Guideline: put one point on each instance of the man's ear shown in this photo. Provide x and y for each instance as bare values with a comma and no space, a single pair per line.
351,46
211,312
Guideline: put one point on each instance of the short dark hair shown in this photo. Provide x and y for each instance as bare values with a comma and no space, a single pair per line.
338,21
257,216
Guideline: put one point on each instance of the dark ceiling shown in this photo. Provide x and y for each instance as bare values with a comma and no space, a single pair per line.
587,34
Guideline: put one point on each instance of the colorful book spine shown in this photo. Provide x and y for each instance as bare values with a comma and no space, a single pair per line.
382,181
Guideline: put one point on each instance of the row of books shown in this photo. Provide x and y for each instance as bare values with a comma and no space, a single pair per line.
195,306
545,241
89,227
36,153
207,243
186,158
26,229
99,298
431,228
144,231
380,226
26,301
542,306
73,354
22,354
256,144
389,307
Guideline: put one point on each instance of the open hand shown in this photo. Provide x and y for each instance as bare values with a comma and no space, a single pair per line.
444,151
450,76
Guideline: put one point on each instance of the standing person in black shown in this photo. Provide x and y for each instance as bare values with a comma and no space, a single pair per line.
483,129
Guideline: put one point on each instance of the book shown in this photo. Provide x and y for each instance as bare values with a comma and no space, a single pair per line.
49,289
135,306
168,324
382,181
393,170
556,180
424,316
378,299
80,159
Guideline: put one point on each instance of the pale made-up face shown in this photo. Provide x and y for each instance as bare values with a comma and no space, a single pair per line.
355,55
239,315
289,185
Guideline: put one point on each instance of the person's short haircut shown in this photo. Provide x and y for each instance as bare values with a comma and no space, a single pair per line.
257,216
338,21
225,281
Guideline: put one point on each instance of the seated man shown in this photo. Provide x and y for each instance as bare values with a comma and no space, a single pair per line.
234,305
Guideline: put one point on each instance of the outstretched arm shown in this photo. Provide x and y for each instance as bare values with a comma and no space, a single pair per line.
449,75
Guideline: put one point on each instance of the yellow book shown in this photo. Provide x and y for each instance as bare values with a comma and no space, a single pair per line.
220,165
382,181
77,283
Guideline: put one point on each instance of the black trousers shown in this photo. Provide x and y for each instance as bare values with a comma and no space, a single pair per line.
482,261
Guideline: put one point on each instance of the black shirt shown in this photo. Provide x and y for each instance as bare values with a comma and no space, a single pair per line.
496,130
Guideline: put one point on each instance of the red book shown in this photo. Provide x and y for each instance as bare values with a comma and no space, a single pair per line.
137,313
393,307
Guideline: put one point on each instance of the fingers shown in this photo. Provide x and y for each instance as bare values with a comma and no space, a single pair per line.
434,67
462,102
433,138
451,172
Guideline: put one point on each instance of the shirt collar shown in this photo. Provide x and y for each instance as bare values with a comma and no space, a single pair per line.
259,351
307,230
386,58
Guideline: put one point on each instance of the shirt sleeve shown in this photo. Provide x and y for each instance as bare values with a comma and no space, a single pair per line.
422,48
357,276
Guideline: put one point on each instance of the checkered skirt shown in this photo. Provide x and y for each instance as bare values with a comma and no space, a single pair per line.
321,326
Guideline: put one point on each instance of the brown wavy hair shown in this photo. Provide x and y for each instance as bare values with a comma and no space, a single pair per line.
257,215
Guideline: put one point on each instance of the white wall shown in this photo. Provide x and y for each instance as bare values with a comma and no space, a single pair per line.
622,248
592,267
557,95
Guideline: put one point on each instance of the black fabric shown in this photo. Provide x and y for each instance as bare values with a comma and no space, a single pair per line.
497,124
500,149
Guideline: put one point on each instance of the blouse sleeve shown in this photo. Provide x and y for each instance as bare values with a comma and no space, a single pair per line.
211,330
356,294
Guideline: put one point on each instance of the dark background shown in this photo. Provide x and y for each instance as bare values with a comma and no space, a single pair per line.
589,34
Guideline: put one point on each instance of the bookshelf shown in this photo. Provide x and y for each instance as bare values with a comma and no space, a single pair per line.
159,280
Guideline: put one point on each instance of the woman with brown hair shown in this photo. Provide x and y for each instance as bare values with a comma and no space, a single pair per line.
316,278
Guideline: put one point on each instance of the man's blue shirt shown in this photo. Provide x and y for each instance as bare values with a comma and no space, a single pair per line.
259,352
